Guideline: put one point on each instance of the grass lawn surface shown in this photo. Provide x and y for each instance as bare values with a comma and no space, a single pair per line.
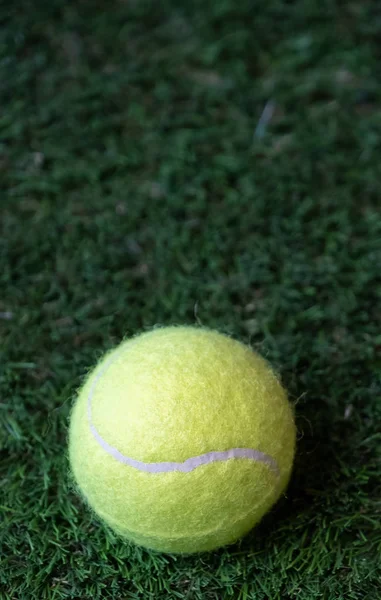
139,185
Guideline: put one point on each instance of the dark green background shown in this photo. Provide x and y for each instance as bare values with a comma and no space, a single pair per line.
134,191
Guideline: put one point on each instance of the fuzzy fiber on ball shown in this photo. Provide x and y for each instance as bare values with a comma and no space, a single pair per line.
181,439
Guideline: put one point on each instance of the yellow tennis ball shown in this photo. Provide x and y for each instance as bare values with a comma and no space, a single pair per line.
181,439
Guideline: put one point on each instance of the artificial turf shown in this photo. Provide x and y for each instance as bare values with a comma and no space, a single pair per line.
139,186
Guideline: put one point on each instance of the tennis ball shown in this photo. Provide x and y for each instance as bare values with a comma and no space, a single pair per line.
181,439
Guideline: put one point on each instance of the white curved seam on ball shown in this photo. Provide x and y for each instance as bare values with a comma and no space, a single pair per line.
167,467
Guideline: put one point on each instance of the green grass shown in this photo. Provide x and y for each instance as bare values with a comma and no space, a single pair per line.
134,192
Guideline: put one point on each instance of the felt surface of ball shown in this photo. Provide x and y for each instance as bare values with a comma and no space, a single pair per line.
181,439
